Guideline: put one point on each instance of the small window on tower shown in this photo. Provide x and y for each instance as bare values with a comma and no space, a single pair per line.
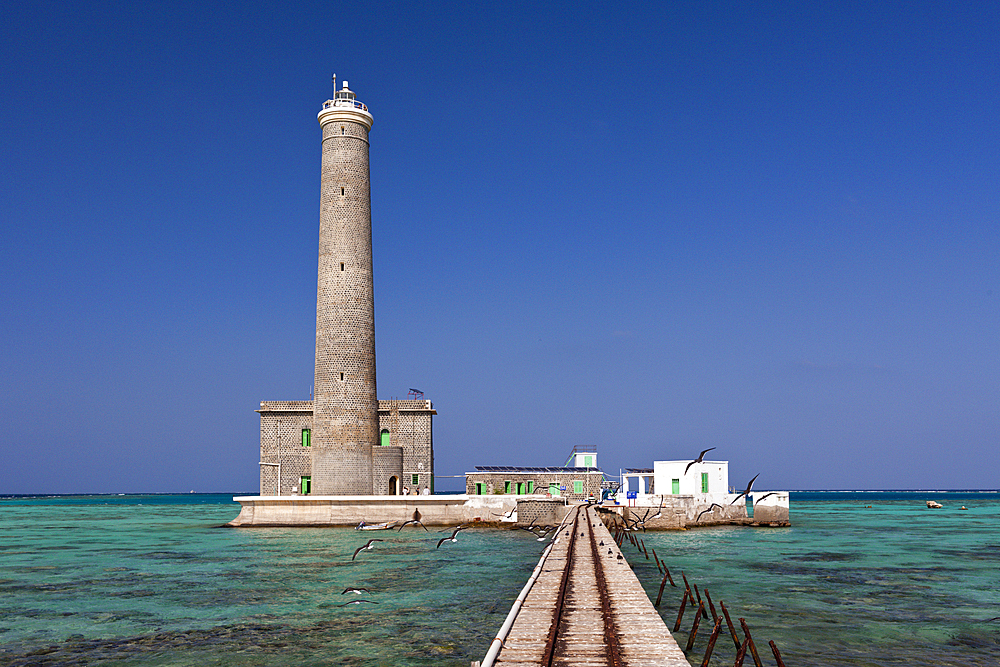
341,192
341,129
341,377
341,266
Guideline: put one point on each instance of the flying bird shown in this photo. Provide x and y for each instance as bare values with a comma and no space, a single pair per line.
357,591
769,493
357,602
747,492
453,538
370,545
414,521
698,460
708,510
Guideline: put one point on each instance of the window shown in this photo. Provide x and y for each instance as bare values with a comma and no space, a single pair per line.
520,488
341,129
341,192
415,479
385,441
704,482
531,487
588,461
577,486
306,437
341,266
479,488
305,485
506,486
341,377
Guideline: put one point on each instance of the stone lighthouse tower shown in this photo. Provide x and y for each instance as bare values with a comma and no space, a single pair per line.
345,407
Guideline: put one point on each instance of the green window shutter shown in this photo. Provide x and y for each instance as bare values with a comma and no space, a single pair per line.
416,479
531,487
506,486
577,486
704,482
479,489
385,442
305,485
588,461
306,437
675,486
520,488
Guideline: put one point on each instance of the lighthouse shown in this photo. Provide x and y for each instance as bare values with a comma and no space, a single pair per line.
345,403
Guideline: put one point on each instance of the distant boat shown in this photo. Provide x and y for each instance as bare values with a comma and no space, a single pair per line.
934,505
375,526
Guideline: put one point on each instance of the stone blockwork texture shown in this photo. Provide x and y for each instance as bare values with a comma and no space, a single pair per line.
410,425
387,463
345,421
495,482
281,424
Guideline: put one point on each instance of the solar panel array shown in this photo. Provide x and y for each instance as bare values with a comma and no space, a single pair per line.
532,469
638,471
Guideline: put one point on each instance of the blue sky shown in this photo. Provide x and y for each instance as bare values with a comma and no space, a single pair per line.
773,229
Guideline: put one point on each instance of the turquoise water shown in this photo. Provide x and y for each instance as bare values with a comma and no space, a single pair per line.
154,580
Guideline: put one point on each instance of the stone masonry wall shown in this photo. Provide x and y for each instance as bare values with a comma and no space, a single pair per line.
410,425
281,424
494,483
345,420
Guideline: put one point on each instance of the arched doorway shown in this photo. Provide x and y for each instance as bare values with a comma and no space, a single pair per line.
393,486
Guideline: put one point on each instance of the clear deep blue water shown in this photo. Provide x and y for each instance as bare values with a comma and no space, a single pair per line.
859,579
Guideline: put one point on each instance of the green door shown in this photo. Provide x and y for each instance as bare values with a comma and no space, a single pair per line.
305,485
675,486
704,482
385,442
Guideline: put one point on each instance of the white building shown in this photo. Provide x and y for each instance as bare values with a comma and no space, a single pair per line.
707,481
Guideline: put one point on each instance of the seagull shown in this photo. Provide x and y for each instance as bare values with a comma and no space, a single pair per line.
747,492
462,527
708,510
508,515
453,538
368,546
357,591
698,460
414,521
357,602
769,493
659,509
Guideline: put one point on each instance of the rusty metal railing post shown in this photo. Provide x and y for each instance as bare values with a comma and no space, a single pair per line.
777,656
694,627
753,649
659,595
680,612
711,641
729,622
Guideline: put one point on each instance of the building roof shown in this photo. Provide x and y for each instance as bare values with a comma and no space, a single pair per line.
535,469
638,471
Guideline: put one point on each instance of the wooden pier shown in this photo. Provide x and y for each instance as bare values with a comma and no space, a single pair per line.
586,607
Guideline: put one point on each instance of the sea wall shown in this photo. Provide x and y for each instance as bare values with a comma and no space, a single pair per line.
442,510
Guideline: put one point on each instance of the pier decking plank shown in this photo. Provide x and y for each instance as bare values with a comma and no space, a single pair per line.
643,636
